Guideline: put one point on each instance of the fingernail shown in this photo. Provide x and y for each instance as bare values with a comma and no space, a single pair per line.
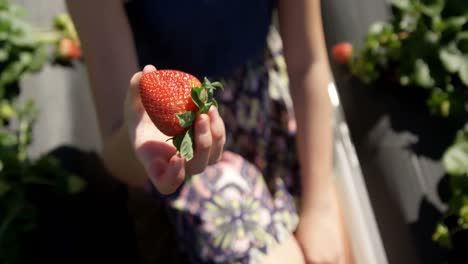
213,110
149,68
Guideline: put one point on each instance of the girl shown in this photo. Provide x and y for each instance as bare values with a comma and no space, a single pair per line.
262,199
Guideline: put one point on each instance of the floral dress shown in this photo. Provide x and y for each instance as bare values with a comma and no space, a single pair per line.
241,207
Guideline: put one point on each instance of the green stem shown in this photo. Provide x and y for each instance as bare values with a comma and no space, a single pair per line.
48,37
22,140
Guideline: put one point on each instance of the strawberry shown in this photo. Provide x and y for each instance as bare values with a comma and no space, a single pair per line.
173,100
69,49
342,52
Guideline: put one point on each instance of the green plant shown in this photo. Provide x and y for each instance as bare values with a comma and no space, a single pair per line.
23,50
455,161
425,46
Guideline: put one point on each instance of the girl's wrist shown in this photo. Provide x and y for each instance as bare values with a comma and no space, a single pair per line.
322,198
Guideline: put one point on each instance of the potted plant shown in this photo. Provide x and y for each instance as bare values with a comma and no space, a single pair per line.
405,97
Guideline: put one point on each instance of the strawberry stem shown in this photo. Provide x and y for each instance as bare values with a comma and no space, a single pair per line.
203,97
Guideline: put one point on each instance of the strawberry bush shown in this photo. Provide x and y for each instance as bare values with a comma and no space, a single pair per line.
25,50
424,48
455,222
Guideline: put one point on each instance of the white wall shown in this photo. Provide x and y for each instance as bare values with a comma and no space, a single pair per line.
62,94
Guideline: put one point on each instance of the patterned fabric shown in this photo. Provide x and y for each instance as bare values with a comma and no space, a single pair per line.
238,209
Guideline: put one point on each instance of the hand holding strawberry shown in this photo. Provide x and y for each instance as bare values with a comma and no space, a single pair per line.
161,105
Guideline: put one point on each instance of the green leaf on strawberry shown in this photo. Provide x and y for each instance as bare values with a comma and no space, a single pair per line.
196,91
186,119
184,144
203,97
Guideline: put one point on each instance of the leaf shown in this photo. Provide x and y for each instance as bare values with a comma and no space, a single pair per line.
455,159
203,95
195,93
25,58
462,41
218,85
4,53
186,145
177,141
206,107
186,119
17,11
432,7
451,58
39,58
462,136
442,235
463,71
379,27
75,184
445,108
404,5
409,22
6,110
463,212
7,139
437,100
23,39
11,73
422,75
455,22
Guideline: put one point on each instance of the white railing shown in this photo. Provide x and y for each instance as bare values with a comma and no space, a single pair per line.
365,238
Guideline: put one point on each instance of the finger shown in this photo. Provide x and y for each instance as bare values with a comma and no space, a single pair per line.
133,100
149,68
218,133
167,176
203,143
156,156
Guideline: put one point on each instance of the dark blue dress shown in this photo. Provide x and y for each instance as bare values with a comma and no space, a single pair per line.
203,37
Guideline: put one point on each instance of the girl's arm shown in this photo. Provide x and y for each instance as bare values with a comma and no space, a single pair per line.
320,232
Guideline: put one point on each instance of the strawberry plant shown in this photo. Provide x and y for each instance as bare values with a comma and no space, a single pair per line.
424,48
24,50
455,221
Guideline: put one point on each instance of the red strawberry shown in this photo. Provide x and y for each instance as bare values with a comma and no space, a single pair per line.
342,52
173,99
69,49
